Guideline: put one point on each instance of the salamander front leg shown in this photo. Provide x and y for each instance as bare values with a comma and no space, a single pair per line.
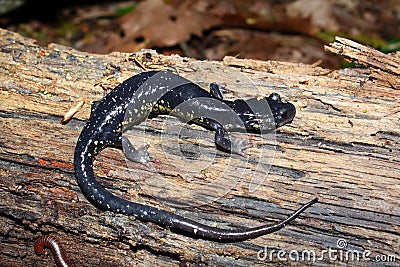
139,155
215,90
225,144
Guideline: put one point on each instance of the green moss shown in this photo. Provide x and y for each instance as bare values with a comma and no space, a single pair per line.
328,37
391,46
66,28
124,10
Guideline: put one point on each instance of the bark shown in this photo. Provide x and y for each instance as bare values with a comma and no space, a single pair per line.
342,147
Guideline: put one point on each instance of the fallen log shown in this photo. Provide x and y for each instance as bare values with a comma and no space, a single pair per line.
342,147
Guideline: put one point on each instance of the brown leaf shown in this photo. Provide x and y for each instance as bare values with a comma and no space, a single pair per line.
161,24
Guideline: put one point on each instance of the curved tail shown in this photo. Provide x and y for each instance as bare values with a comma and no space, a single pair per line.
105,200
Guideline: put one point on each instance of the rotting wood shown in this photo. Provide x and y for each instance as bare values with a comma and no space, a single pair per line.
384,67
343,146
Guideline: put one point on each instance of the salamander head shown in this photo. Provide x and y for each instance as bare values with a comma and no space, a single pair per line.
283,112
257,117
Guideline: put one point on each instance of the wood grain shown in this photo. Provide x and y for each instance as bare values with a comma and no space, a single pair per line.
343,146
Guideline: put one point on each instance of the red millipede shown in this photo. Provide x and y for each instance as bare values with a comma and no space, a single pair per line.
53,243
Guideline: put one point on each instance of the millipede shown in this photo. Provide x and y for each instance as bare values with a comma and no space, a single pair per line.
54,245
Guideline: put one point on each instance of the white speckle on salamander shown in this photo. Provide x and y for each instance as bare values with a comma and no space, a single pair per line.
110,116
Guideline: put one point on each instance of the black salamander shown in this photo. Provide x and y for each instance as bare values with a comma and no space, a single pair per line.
150,94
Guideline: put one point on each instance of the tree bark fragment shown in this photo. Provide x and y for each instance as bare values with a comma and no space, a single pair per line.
384,67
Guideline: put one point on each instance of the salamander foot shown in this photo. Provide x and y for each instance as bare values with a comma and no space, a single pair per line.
139,155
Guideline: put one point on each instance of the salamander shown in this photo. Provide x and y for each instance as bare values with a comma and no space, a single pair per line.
154,93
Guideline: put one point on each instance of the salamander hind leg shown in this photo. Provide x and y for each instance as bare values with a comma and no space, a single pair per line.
232,146
215,90
139,155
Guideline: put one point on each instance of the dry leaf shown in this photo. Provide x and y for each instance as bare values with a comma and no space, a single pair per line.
161,24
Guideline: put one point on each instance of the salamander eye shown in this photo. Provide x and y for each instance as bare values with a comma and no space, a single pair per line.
284,113
275,97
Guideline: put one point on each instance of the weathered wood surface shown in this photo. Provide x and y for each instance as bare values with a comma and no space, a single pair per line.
343,147
385,68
